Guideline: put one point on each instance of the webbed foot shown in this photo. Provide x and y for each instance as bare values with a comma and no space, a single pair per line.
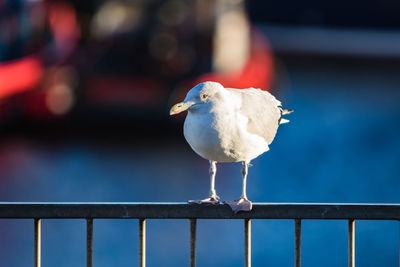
209,200
242,204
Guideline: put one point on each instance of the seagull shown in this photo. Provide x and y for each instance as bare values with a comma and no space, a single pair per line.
229,125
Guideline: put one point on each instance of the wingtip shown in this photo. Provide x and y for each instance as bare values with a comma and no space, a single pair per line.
282,121
287,111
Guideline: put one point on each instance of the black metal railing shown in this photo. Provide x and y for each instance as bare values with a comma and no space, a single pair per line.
144,211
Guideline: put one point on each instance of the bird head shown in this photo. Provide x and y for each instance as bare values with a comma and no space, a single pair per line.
200,98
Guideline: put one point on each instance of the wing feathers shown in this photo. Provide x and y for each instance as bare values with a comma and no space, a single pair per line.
262,110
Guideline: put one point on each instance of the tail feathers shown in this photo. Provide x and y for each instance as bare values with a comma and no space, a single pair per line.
284,112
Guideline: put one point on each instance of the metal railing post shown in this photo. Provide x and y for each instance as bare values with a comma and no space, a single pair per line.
297,243
89,242
351,234
37,240
142,242
193,227
247,242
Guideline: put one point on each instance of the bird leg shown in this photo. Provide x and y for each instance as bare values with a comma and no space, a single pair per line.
242,203
213,198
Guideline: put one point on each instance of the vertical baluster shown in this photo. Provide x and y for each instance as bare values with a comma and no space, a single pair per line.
142,242
351,234
193,227
89,242
297,243
247,243
37,240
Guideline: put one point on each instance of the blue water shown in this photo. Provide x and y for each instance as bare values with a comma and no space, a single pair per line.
342,145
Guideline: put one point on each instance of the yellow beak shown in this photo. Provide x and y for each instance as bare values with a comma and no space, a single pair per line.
178,108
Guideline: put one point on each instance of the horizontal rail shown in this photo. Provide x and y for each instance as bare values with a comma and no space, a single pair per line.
50,210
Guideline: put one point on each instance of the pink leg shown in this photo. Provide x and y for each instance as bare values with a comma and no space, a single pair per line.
242,204
213,198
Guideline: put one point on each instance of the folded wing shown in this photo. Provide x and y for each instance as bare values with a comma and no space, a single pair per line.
262,110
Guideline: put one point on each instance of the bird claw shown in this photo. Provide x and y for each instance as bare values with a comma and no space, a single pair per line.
242,204
209,200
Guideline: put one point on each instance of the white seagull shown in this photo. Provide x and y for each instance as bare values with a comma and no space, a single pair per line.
230,125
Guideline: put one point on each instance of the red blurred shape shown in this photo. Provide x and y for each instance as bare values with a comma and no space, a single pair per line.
19,76
258,71
64,26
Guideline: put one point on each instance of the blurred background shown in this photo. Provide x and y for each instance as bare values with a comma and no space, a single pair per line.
85,90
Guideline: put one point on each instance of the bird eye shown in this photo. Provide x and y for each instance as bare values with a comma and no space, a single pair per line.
204,96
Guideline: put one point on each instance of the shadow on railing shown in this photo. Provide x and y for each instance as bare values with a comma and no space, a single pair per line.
143,211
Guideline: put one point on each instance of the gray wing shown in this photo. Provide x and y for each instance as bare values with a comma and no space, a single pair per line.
262,110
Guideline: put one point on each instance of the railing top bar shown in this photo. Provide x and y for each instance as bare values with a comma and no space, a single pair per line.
191,204
132,210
